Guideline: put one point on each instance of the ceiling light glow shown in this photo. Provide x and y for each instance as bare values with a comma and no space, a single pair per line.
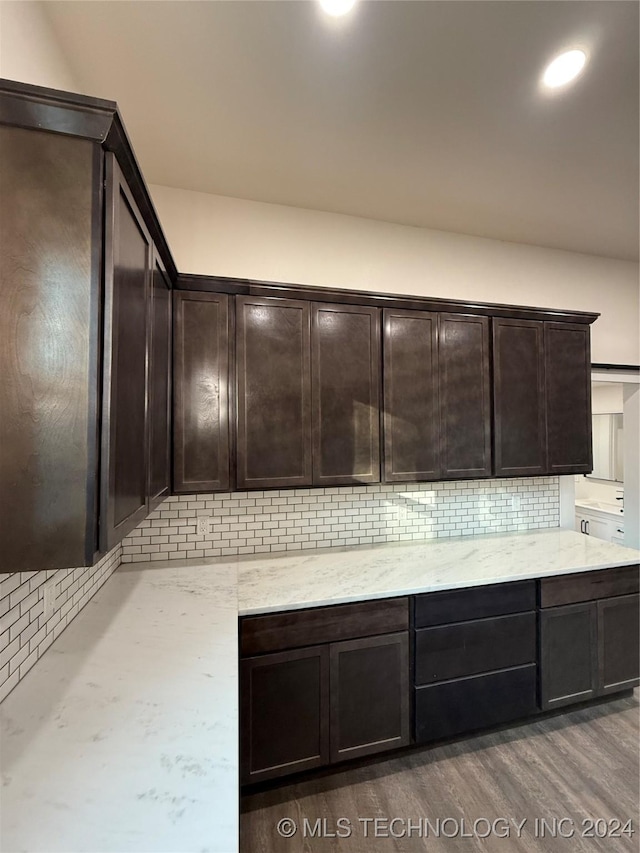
564,68
336,8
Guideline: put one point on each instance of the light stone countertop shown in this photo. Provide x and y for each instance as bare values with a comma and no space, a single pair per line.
124,736
309,579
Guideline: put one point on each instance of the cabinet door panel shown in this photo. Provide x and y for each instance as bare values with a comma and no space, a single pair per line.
201,391
369,695
519,397
618,643
160,386
411,412
346,377
568,643
274,392
127,283
568,383
465,399
285,713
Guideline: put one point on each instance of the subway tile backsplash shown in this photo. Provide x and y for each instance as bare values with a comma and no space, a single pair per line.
292,519
25,632
258,522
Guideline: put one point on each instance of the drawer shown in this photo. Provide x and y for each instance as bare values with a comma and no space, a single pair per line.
468,648
480,701
294,629
587,586
478,602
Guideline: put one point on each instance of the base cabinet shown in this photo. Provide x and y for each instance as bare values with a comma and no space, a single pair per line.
284,713
589,629
308,707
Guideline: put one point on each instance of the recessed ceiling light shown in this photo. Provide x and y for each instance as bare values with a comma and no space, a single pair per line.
336,8
564,68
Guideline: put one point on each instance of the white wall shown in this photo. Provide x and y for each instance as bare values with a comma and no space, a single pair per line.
29,51
215,235
606,398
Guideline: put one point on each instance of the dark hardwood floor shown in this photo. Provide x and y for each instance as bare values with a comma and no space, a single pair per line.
581,764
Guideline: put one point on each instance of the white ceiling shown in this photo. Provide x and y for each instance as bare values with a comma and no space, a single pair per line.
422,113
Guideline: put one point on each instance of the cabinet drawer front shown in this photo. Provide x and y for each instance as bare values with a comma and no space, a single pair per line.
469,648
478,602
587,586
296,628
453,707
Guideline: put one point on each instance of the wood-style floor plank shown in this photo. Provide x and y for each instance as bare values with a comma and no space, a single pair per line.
580,764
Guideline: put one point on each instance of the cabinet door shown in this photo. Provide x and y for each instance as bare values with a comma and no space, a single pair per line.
568,650
369,695
273,357
519,398
618,645
345,368
600,528
465,396
124,431
201,391
411,412
285,713
568,385
159,385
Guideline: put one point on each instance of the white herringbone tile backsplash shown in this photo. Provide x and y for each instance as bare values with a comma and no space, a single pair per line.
292,519
25,633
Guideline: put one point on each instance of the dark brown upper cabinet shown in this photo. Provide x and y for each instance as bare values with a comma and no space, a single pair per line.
465,396
568,384
273,374
159,384
128,272
201,392
84,427
519,397
345,370
411,405
50,217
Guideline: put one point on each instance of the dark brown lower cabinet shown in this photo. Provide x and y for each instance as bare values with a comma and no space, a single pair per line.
345,697
618,643
285,713
369,695
589,649
569,658
479,701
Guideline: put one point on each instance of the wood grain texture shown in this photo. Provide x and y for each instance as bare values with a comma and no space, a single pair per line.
346,369
478,602
273,371
201,392
285,713
568,383
50,239
369,690
465,396
295,628
618,643
587,586
159,385
411,405
125,447
469,648
568,654
519,398
576,764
